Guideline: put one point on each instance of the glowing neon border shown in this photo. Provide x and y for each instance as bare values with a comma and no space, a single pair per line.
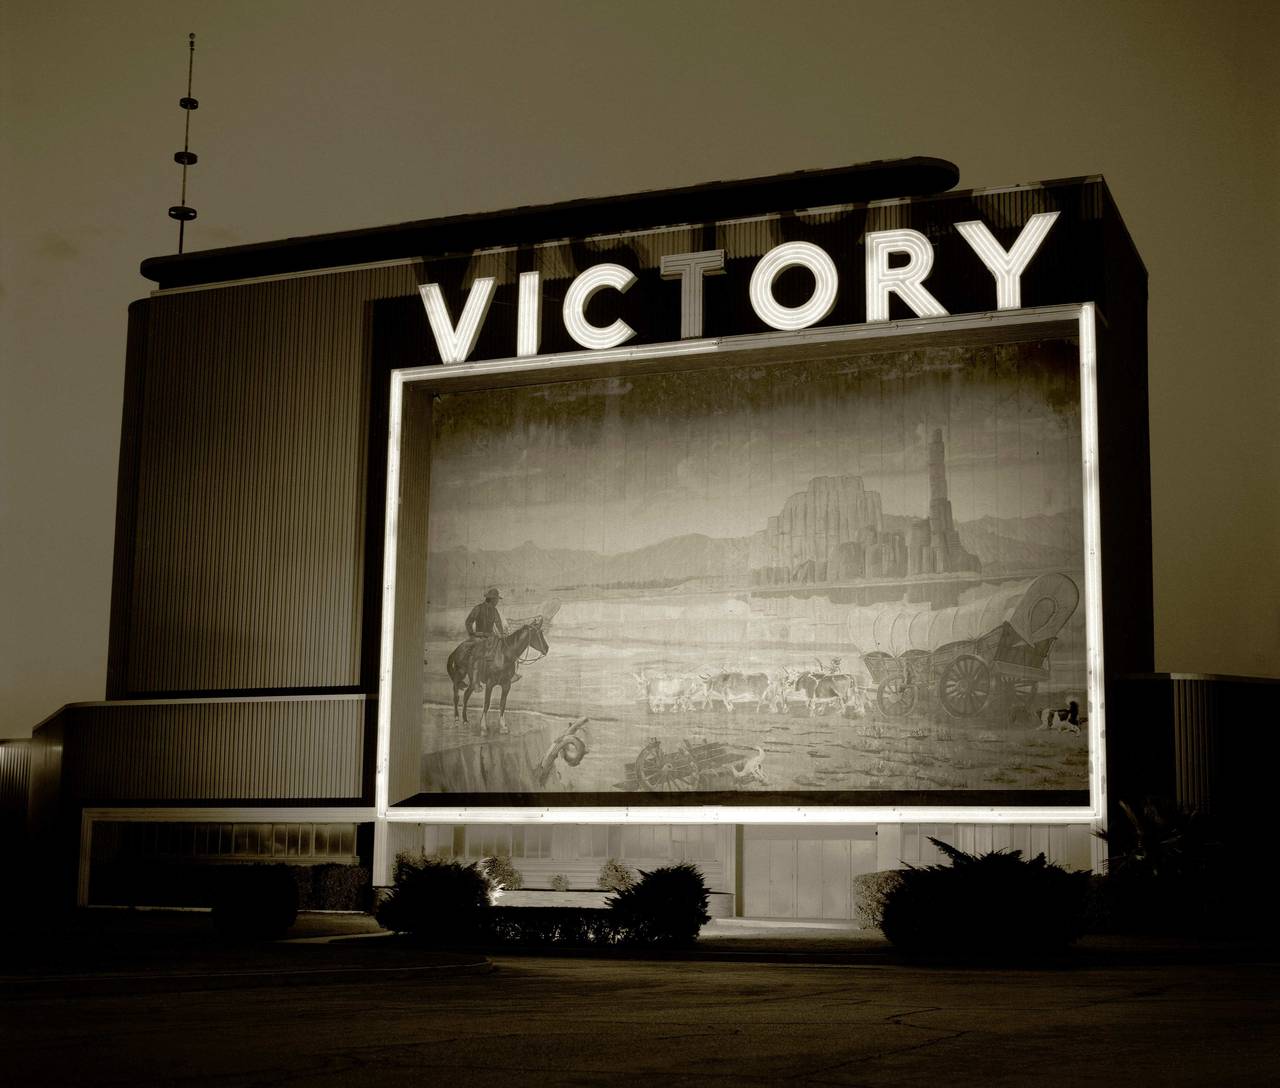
1083,315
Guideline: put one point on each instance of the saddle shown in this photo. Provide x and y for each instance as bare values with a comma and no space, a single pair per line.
482,653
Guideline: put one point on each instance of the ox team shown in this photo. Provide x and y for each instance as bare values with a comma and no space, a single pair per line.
819,691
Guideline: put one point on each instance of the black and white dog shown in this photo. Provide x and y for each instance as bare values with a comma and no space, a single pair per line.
1065,719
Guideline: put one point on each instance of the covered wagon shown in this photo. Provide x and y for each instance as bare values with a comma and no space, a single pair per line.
995,648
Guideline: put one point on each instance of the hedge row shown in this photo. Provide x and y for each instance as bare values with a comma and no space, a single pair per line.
449,903
187,884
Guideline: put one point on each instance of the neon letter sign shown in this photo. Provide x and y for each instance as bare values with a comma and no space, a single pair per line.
456,344
579,294
773,264
1007,267
529,313
689,268
906,281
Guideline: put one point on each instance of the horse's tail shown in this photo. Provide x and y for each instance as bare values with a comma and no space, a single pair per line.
459,663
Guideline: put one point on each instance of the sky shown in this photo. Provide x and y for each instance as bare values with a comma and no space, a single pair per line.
326,116
590,465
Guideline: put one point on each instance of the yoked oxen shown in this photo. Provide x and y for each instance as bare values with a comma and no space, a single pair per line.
822,691
663,693
728,688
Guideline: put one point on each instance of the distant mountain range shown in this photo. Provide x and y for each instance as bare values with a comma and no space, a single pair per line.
1004,544
458,572
457,575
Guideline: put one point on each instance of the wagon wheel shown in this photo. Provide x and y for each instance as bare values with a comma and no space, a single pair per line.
965,686
896,697
694,779
655,769
1022,691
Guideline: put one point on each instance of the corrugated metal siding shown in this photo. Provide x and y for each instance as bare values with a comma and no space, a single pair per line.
247,561
411,597
45,791
1196,723
15,775
1068,845
241,750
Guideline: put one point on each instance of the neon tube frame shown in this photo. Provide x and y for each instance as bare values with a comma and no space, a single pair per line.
1078,320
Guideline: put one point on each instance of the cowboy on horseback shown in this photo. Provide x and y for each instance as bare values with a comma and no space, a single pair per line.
484,622
490,656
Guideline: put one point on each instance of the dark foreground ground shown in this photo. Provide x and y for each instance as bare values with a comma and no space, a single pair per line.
365,1013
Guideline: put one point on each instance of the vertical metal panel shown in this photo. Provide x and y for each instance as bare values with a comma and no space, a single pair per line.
44,793
15,776
126,501
1195,723
248,554
405,774
223,750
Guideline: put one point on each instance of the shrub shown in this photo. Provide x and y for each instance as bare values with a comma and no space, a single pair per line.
334,887
442,902
1170,872
1162,841
501,874
870,890
254,902
614,876
559,883
995,906
667,906
553,925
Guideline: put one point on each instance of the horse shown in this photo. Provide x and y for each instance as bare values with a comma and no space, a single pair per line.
493,664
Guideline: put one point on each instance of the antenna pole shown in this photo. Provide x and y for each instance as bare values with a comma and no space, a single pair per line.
186,157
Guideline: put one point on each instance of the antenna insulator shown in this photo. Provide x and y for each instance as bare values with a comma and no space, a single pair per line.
186,158
182,212
189,103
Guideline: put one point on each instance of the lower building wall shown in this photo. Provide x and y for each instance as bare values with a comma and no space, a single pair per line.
802,871
176,863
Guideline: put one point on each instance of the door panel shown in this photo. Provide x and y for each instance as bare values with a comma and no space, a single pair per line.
810,885
782,878
804,872
836,878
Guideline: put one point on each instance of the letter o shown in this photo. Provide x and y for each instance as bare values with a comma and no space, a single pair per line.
777,261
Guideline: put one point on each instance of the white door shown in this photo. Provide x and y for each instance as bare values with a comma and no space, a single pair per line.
804,872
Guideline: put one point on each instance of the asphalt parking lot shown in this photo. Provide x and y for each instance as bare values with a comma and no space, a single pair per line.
583,1021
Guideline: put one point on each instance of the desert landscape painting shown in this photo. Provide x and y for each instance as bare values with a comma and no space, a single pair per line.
860,574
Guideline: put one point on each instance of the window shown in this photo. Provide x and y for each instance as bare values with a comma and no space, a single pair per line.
185,839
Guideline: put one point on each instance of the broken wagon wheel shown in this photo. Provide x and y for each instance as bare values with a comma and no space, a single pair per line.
573,750
895,697
965,686
650,764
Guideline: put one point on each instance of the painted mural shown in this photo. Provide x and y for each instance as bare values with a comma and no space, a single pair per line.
809,576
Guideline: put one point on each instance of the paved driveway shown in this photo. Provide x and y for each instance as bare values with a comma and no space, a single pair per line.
539,1021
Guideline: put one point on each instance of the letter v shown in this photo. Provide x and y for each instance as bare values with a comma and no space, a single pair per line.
453,344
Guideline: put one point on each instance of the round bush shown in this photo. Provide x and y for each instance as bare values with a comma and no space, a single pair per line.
870,890
667,906
614,876
502,874
441,902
